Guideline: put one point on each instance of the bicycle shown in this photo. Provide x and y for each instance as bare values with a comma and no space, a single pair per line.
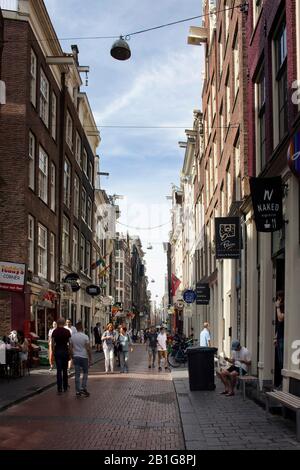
178,354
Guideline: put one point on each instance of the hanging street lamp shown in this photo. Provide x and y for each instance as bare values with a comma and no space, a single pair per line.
120,49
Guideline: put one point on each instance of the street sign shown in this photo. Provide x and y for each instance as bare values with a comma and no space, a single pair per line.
93,290
267,197
74,281
203,293
228,237
189,296
12,276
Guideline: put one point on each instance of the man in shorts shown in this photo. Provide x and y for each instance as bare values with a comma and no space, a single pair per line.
162,348
240,360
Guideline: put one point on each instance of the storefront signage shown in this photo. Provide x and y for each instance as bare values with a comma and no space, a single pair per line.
228,238
12,276
189,296
74,281
267,196
293,155
93,290
202,293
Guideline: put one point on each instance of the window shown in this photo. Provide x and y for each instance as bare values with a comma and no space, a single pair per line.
237,162
85,162
52,187
88,259
236,64
90,172
260,120
281,79
258,4
53,115
82,252
78,149
117,271
228,188
228,99
43,175
121,277
222,123
89,212
227,12
33,70
44,98
52,257
31,182
69,131
31,243
213,98
75,249
83,204
66,241
221,53
67,183
76,196
42,251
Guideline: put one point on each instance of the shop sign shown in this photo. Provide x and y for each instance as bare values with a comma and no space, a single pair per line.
203,293
12,276
267,196
293,155
74,281
189,296
93,290
228,237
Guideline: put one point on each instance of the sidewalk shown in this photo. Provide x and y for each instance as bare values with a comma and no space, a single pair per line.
15,391
214,421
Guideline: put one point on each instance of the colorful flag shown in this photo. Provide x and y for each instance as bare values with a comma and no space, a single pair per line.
97,263
175,284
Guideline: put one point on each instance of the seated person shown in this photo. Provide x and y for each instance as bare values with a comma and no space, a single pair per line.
241,359
23,348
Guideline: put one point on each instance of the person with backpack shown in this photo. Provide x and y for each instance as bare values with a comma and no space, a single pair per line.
124,341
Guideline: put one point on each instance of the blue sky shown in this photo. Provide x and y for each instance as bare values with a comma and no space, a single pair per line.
159,86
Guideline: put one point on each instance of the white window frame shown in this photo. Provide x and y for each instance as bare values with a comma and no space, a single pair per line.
75,249
31,228
52,257
76,196
43,175
44,98
69,131
54,115
42,251
32,146
33,77
66,241
67,182
52,187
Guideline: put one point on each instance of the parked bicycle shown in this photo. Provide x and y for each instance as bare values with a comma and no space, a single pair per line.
178,353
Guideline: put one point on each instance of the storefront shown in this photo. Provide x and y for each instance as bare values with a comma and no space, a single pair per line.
43,311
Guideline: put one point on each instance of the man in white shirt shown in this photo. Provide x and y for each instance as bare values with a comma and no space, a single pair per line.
241,359
205,340
72,330
81,353
162,348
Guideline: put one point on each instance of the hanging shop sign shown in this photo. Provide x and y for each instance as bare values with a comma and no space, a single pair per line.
74,281
293,155
228,237
202,293
189,296
12,276
93,290
267,197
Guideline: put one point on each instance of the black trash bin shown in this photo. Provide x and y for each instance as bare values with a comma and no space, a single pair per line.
201,365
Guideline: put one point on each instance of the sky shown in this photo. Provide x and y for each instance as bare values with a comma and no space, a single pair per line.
159,86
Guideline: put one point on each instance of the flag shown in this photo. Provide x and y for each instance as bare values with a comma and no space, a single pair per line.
103,272
175,284
97,263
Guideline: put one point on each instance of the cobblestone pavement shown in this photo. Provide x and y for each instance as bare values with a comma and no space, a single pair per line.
17,389
125,411
213,421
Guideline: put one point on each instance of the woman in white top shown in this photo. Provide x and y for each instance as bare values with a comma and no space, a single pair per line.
108,344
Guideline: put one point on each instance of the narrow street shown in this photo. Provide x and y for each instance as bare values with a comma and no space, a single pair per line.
125,411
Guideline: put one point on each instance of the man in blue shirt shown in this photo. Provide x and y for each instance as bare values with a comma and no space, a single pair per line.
205,340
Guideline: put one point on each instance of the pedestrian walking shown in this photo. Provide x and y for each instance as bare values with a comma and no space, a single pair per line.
151,341
124,341
162,348
82,358
61,349
50,352
109,341
97,336
205,339
72,330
